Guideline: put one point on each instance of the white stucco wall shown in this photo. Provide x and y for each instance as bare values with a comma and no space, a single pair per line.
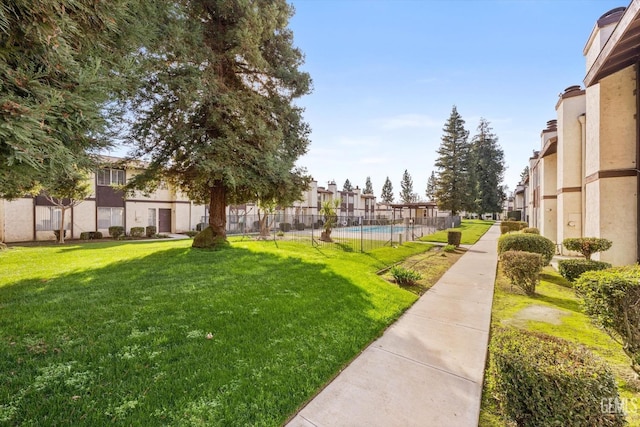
617,122
18,220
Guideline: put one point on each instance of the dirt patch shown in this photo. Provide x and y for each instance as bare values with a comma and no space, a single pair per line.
539,313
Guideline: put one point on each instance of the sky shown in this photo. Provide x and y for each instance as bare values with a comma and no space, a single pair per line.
387,73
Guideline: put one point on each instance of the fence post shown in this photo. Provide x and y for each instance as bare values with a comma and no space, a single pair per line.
361,236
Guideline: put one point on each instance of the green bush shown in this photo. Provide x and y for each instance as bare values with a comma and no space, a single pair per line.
454,237
612,299
571,269
201,226
404,276
285,226
540,380
90,235
116,231
530,230
136,232
191,233
587,245
522,269
511,226
300,226
57,234
528,243
449,248
150,230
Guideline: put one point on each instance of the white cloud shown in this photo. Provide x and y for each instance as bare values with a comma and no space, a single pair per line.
404,121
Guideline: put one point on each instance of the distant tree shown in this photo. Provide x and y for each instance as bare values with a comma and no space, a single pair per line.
66,191
453,186
216,116
431,186
387,192
347,186
488,168
524,174
406,188
329,213
368,187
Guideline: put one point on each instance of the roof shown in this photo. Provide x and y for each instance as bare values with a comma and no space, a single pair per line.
416,205
622,49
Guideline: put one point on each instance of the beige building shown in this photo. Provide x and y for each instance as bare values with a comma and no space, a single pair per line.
584,180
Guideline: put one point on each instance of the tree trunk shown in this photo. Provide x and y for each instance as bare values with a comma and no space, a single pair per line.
61,230
264,225
216,234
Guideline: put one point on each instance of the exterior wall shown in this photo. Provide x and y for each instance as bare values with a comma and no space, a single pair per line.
84,218
548,197
570,173
19,219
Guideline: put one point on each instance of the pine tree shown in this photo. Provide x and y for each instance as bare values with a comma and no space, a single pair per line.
347,186
387,192
489,169
406,188
368,187
61,61
216,116
431,186
524,174
453,188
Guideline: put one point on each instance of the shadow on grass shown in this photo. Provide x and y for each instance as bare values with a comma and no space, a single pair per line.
556,280
564,303
126,343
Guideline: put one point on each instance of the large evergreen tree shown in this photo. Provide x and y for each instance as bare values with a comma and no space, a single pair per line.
347,186
431,186
216,116
387,191
406,188
60,62
368,187
453,187
488,162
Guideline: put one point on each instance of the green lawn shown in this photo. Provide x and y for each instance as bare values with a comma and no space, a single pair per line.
116,332
472,231
565,319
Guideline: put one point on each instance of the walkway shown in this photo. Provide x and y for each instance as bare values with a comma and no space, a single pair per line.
427,368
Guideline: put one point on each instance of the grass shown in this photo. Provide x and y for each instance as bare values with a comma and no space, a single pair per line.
472,230
563,317
116,332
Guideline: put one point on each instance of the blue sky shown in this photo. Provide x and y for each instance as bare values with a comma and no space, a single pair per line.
387,73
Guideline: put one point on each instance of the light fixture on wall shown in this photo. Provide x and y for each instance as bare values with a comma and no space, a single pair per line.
571,224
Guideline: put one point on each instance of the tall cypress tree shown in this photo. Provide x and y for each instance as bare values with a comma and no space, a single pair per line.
406,188
431,186
453,187
488,160
368,187
217,117
387,191
347,186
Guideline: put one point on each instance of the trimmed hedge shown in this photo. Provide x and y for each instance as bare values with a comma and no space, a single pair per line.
116,231
136,232
571,269
587,245
454,237
530,230
522,269
150,230
612,299
540,380
511,226
90,235
528,243
285,226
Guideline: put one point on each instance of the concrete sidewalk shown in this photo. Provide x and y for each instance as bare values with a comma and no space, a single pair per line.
427,368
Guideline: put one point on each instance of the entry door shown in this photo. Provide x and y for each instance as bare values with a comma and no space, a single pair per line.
164,221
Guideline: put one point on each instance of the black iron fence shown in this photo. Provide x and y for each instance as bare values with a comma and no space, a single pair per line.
347,232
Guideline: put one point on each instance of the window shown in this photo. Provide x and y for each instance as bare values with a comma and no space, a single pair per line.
48,218
109,217
152,217
110,177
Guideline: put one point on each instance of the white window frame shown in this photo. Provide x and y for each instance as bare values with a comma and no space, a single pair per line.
107,177
48,218
110,217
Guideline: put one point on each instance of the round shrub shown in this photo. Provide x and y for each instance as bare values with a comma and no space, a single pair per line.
449,248
587,245
530,230
116,231
454,237
511,226
571,269
136,231
528,243
522,269
150,230
612,299
540,380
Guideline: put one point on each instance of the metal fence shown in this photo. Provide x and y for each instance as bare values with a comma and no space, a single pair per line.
348,232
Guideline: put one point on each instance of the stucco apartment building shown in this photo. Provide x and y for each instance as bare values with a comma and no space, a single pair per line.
584,180
34,218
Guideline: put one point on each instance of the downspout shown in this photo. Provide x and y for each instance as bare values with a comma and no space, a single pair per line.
637,163
583,203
